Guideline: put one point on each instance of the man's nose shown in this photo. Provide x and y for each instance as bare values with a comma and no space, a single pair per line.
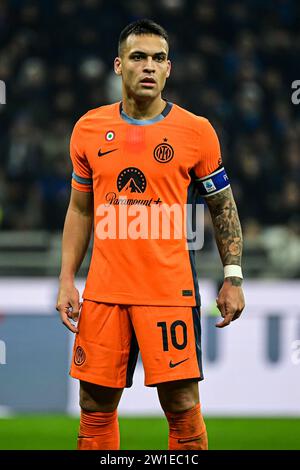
149,65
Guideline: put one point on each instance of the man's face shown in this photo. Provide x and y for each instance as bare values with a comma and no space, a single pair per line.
143,65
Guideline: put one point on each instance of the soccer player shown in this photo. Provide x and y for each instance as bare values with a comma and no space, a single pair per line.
141,294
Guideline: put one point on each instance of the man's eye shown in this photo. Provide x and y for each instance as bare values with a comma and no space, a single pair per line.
137,57
160,59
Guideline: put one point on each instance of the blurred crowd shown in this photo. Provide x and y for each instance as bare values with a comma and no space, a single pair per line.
233,62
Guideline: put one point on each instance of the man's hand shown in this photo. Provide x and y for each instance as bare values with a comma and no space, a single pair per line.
68,305
230,301
229,239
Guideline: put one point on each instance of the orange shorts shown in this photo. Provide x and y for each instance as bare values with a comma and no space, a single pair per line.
110,336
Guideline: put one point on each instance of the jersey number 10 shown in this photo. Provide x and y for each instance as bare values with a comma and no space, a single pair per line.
175,325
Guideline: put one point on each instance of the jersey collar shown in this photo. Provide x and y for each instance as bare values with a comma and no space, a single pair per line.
146,122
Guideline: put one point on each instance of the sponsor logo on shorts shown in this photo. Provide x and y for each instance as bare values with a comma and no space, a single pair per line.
80,356
175,364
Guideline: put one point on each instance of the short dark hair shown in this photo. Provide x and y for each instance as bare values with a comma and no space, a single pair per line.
143,26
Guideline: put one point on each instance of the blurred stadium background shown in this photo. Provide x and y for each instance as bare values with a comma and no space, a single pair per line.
233,62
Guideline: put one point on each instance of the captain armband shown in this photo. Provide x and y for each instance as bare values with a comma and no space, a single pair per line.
213,183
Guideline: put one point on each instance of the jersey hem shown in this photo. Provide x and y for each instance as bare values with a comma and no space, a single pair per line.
163,379
123,300
84,188
94,379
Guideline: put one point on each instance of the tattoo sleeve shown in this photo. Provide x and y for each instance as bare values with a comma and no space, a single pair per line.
227,228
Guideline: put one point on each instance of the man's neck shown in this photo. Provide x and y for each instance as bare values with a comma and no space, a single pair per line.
143,109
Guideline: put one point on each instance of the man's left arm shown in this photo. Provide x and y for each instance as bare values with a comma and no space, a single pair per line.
229,239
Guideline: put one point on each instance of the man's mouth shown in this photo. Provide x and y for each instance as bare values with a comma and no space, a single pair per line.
148,81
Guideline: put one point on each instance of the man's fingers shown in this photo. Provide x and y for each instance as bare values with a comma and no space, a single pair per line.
72,309
70,327
65,315
237,315
228,317
227,320
225,308
68,306
72,314
75,305
221,307
65,320
230,301
227,313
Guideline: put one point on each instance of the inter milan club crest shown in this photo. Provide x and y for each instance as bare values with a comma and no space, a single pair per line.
109,136
80,356
131,180
163,153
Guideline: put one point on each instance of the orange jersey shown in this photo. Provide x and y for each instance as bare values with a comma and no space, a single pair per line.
135,167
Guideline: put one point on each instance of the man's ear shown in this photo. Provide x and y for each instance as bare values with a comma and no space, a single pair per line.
169,69
118,66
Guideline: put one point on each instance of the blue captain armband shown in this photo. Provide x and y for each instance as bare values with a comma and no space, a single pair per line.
213,183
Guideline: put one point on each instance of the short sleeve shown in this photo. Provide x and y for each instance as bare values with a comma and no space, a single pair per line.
209,150
209,173
82,177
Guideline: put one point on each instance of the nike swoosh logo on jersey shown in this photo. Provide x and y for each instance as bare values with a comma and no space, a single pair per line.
100,154
174,364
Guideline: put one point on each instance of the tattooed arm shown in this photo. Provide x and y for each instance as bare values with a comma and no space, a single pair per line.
229,239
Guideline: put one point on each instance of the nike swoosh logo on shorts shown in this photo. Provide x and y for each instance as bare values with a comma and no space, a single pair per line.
100,154
174,364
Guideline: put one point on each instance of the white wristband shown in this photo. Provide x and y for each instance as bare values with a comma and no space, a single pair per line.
233,270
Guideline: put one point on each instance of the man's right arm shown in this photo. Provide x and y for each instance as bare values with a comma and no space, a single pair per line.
75,241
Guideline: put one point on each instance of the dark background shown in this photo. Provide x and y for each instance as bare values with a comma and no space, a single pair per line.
233,62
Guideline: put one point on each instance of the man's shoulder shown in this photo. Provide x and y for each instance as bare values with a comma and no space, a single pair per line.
102,113
188,115
190,119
